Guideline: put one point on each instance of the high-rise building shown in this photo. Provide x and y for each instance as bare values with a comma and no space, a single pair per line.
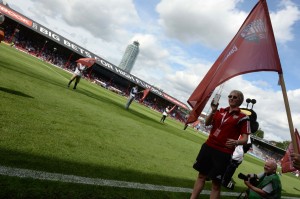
129,56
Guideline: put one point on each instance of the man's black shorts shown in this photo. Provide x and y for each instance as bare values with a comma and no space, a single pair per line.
211,162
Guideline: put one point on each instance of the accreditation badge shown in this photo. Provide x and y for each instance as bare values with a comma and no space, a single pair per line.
217,132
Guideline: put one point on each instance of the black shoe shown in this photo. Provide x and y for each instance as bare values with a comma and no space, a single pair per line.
229,185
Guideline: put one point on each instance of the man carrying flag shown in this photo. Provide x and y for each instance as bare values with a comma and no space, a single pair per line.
252,49
82,65
228,124
77,75
166,112
145,93
131,96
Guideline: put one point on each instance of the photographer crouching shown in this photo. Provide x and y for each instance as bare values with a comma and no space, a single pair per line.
265,185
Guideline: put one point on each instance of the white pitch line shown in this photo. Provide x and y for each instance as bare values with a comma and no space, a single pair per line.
26,173
41,175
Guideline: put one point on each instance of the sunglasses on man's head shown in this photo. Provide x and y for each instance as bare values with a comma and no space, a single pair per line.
232,97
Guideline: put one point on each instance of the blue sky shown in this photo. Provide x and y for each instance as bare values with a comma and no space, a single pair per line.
179,41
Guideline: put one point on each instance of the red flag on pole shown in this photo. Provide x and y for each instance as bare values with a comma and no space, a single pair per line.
1,35
252,49
172,108
88,62
286,162
145,93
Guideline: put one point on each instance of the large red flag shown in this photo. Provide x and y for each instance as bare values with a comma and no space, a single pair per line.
252,49
145,93
172,108
286,162
88,62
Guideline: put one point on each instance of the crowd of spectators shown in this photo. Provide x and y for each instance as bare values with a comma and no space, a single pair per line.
264,153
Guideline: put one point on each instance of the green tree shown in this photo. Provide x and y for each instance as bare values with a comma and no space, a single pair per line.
259,133
283,145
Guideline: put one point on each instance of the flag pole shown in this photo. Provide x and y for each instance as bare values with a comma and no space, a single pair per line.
288,112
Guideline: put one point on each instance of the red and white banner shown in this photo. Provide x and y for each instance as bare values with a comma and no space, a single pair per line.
16,16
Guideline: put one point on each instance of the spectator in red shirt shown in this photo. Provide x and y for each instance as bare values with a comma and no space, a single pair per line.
228,124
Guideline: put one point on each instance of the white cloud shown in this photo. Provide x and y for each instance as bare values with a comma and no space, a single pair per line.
214,23
199,20
284,20
102,19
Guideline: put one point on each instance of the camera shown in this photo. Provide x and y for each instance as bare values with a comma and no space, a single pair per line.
253,179
242,176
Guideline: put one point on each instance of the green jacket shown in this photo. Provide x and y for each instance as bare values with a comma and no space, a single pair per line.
265,180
